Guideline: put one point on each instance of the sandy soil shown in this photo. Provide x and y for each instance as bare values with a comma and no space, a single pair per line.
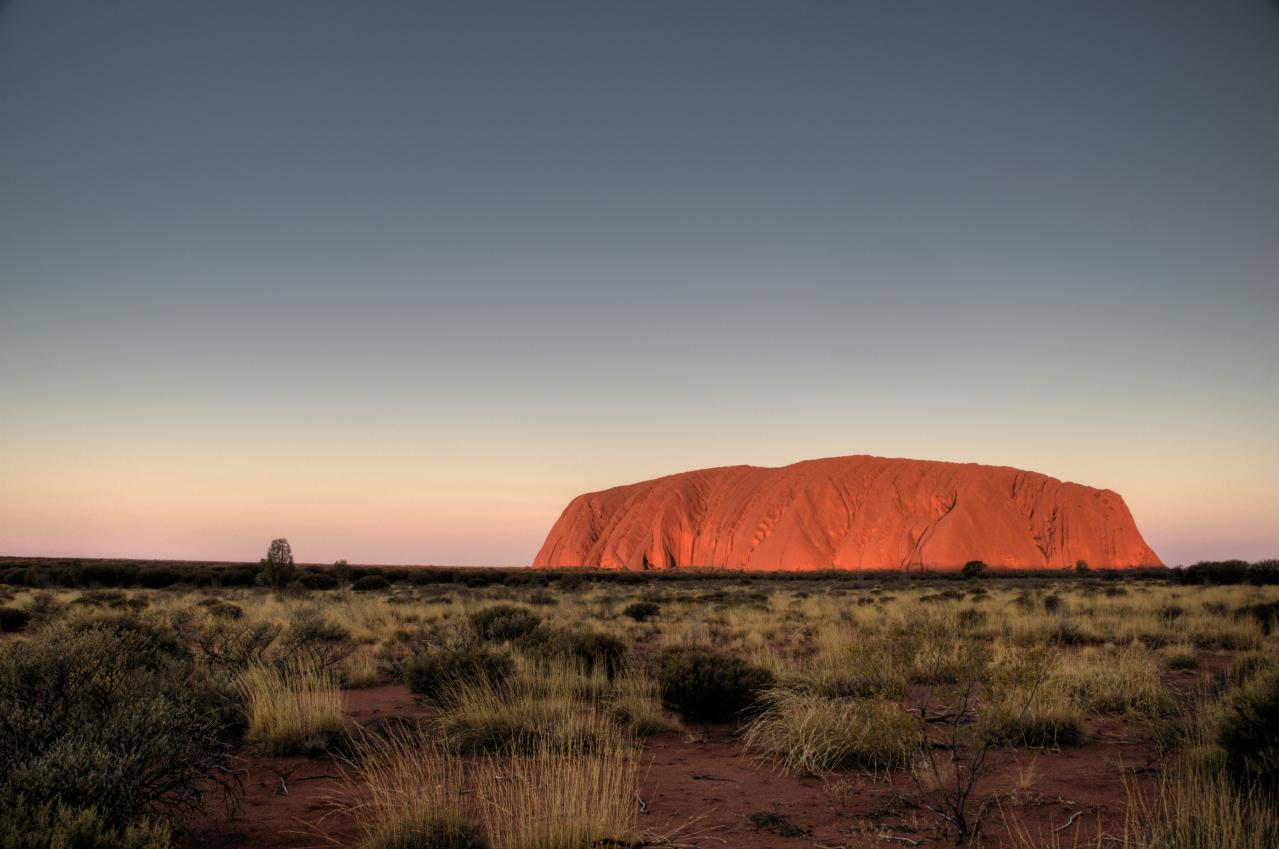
702,786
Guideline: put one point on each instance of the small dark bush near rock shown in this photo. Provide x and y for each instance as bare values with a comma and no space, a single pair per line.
503,622
704,684
1052,603
586,647
105,715
13,618
370,582
1249,731
433,676
24,825
642,611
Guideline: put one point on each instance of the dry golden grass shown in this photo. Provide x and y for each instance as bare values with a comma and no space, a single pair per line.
416,794
560,800
288,712
637,702
818,734
1124,680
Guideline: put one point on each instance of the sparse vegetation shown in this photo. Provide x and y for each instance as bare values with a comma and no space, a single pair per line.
936,685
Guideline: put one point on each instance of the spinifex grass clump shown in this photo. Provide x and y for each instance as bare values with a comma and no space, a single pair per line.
637,702
291,712
1201,810
858,665
587,648
561,800
1126,680
510,719
819,734
1019,709
416,794
435,675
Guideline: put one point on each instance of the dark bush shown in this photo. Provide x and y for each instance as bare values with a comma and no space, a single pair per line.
313,643
1249,731
503,622
318,581
703,684
105,716
370,582
236,577
642,611
222,609
1052,603
52,826
157,577
434,675
973,569
589,648
1265,612
13,618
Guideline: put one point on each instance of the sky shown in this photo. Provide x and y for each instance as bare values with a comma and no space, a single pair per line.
396,280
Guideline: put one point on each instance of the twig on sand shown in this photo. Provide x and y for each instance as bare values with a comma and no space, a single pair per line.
1076,815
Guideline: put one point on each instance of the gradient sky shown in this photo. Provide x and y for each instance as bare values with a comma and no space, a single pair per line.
397,279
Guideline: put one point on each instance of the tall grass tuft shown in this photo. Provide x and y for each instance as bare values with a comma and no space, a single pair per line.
817,734
560,800
416,794
290,712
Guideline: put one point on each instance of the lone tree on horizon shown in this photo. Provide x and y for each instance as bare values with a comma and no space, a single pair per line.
277,566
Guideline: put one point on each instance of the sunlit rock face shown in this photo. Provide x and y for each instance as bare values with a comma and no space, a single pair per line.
848,513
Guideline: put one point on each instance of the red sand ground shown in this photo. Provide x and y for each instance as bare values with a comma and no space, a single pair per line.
703,784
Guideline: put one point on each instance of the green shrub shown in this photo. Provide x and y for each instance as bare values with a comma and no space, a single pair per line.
104,715
13,618
52,826
1249,731
503,622
704,684
642,611
589,648
434,676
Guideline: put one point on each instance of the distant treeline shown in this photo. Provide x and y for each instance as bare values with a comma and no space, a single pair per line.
88,573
